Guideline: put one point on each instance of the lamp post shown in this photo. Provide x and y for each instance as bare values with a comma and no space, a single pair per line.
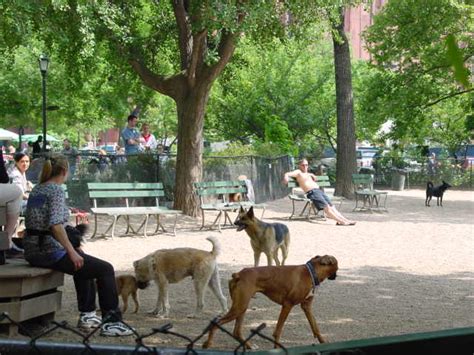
43,64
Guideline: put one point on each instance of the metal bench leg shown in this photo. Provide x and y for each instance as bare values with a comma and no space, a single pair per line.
263,211
202,211
145,225
95,226
292,212
113,226
174,225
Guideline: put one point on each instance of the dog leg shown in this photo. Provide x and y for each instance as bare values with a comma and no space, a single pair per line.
256,258
275,257
200,283
285,310
307,309
135,299
269,259
125,301
215,286
284,253
238,332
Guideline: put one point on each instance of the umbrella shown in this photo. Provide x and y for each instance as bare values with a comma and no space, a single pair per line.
34,137
7,135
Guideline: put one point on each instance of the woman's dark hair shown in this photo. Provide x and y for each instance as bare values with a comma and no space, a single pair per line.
20,155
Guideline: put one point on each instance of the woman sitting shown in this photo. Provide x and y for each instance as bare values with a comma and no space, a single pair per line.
17,174
10,197
46,244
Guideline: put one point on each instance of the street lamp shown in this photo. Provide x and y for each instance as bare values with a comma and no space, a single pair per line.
43,64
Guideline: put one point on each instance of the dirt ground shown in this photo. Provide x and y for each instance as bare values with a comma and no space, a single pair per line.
408,270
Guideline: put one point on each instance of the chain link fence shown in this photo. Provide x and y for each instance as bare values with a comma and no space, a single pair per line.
265,173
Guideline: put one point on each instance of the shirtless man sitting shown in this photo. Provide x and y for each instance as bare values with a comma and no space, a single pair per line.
321,201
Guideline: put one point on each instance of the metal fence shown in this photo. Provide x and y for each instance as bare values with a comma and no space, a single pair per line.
265,173
451,341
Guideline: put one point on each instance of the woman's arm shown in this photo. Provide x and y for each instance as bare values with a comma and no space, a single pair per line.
60,234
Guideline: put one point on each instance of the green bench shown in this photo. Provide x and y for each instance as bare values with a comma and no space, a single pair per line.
365,194
214,196
297,195
117,198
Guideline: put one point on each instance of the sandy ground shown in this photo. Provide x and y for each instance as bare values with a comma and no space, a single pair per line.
408,270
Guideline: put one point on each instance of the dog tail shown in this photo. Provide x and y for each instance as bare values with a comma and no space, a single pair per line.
216,246
429,185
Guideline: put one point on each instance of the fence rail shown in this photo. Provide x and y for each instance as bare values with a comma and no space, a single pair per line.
458,341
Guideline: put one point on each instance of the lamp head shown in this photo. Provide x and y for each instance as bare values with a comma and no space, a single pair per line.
43,63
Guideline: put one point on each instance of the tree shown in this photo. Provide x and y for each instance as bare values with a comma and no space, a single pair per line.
411,43
178,48
346,154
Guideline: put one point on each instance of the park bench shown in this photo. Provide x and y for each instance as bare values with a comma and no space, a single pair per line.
214,196
365,194
117,200
297,195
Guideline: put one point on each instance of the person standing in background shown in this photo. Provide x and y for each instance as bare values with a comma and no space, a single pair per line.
150,140
131,136
72,156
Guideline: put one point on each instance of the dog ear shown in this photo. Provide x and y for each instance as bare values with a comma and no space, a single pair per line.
250,212
241,209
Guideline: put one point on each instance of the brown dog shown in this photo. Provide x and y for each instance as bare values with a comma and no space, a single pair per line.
126,286
265,238
285,285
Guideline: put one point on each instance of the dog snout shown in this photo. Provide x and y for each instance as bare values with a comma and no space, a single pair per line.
332,276
142,284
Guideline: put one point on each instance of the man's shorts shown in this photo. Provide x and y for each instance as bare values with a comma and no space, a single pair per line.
319,198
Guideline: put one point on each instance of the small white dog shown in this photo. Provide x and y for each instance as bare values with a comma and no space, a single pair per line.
167,266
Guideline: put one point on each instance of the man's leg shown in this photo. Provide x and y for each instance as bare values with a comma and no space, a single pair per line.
333,213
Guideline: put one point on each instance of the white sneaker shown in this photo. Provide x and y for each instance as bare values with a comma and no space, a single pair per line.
115,329
89,320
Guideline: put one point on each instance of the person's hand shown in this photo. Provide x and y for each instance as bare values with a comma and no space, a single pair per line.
76,259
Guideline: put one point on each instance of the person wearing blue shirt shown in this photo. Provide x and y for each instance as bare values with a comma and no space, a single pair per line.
131,136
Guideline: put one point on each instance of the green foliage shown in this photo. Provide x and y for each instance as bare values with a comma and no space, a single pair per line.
413,86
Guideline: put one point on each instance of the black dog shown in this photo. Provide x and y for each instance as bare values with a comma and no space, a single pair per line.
437,192
75,234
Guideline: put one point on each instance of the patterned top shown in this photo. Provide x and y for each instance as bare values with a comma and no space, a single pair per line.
46,207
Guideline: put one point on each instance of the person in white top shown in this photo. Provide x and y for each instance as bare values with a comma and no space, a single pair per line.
149,139
17,175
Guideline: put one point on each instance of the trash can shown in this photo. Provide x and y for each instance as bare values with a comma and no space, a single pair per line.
398,179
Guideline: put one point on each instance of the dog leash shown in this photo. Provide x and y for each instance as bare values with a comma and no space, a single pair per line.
312,272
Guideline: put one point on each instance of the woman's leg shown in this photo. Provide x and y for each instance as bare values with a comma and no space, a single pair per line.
84,281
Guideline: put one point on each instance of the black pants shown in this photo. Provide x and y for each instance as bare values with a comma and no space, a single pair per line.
85,283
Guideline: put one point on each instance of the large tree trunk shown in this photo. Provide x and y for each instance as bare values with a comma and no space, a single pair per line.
346,139
191,110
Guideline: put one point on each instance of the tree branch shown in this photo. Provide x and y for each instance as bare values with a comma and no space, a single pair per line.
226,50
197,56
447,97
185,40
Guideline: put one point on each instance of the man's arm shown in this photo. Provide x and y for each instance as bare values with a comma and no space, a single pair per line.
293,174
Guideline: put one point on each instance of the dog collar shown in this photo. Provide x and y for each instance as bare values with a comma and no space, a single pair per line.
313,274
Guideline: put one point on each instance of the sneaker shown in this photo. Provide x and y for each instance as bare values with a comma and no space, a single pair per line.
115,329
89,320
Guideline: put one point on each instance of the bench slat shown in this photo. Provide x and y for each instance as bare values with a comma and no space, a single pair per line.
221,190
126,193
124,185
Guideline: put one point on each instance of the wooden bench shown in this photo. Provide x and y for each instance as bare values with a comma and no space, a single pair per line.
122,194
28,292
214,196
298,195
365,194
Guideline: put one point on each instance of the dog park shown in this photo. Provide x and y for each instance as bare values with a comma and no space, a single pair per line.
408,270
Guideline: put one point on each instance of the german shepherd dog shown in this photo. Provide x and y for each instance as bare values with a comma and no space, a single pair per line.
265,238
437,192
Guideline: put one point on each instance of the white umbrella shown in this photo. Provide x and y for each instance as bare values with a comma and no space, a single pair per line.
7,135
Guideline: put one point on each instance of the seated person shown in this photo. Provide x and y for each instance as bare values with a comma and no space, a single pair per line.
307,181
11,197
47,245
17,174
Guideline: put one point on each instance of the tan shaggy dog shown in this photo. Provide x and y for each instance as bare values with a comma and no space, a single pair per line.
286,285
167,266
127,286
